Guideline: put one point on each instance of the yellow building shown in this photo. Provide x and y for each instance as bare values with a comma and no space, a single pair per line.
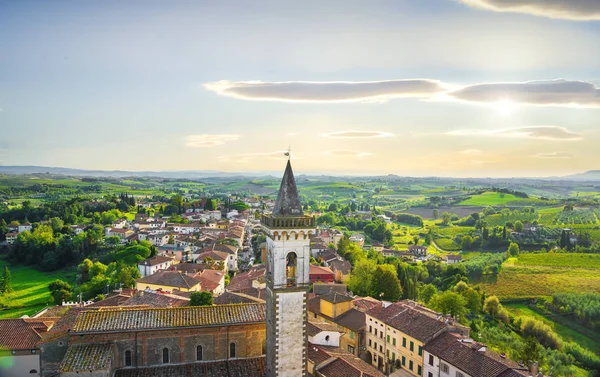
396,335
337,308
168,281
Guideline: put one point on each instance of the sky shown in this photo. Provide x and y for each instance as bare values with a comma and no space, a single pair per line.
465,88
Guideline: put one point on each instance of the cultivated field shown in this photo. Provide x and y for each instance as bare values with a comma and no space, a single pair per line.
535,275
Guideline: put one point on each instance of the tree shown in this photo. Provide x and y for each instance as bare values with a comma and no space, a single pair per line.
449,302
3,229
427,293
385,284
57,224
83,270
203,298
60,291
446,218
532,351
518,226
492,306
6,281
361,277
513,250
466,243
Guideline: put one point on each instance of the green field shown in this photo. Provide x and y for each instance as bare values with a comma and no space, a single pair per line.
491,199
565,260
568,330
537,275
30,289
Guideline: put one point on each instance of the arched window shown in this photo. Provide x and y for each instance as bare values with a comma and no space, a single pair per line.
127,358
33,371
199,355
232,350
291,263
165,356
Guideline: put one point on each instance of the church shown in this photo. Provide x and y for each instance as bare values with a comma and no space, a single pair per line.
246,339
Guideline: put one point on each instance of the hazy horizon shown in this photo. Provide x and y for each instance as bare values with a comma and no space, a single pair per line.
448,88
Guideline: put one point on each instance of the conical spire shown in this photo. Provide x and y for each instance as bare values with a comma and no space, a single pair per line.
288,202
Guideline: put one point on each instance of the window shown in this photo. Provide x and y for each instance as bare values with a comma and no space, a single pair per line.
388,338
420,350
393,356
458,374
232,350
430,374
199,353
375,332
351,334
419,370
410,364
388,354
412,346
430,359
165,356
394,341
369,342
381,348
444,368
370,329
127,358
33,371
351,349
404,342
403,361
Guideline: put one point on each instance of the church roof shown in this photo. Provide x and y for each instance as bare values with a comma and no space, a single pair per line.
288,202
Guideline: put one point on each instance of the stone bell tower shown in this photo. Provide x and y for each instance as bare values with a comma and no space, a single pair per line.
288,259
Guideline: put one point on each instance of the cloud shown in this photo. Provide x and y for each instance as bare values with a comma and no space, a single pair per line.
247,157
206,140
327,91
553,155
558,92
347,153
533,132
357,134
471,152
582,10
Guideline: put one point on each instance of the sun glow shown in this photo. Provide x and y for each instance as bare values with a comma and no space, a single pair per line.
504,107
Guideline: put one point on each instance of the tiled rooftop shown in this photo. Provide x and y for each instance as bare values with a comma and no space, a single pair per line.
408,320
174,279
339,363
22,334
87,357
251,367
168,318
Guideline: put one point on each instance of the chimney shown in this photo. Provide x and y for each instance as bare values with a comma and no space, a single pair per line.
533,368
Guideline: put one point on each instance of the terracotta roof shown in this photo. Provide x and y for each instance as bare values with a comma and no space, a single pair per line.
335,362
114,300
366,302
174,279
21,333
341,265
408,320
313,328
153,261
335,297
235,298
319,270
213,254
168,318
352,319
248,367
472,358
156,300
243,281
87,357
65,323
320,288
225,248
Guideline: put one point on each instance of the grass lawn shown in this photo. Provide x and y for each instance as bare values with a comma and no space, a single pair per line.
490,199
568,330
523,279
30,289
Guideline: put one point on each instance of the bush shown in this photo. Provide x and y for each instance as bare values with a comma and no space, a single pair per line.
585,357
541,331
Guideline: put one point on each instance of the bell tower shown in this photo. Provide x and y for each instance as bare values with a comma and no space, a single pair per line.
288,258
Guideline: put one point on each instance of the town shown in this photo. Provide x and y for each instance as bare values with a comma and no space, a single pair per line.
190,294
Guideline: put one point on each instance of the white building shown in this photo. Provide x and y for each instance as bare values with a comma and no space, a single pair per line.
153,264
25,227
